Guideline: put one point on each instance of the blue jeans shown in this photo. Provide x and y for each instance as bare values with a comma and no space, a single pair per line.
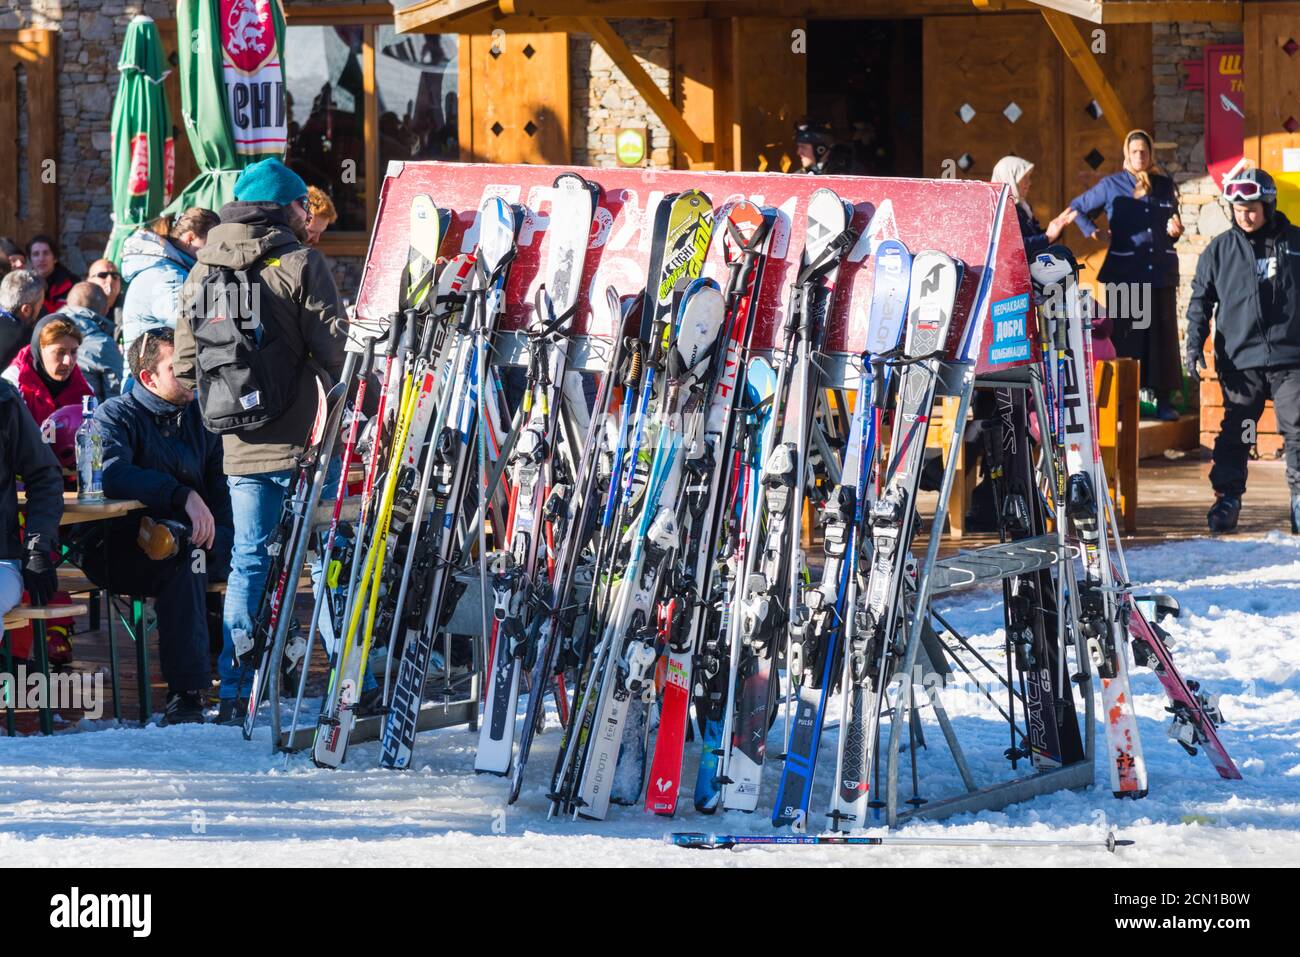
257,502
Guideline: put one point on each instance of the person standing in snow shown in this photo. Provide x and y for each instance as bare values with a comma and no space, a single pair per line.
1248,282
263,233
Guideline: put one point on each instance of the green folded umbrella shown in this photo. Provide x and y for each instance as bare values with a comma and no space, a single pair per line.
143,157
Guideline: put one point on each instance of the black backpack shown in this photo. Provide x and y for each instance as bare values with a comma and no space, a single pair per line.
247,368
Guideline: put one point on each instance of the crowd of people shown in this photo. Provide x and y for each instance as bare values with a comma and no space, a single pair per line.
124,338
126,343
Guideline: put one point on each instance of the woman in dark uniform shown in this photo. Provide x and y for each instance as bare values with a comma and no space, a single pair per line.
1141,205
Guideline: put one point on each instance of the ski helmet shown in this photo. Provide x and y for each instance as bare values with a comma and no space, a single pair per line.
1252,185
816,134
60,431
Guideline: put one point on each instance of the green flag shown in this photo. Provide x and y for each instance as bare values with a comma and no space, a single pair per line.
143,157
232,92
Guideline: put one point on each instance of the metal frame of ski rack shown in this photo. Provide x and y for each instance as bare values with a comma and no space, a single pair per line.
969,569
453,710
935,577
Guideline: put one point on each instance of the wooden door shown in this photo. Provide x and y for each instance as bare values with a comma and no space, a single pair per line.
993,87
1089,149
514,90
1272,78
769,88
29,145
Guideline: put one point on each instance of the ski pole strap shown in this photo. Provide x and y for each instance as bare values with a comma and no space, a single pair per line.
552,325
828,258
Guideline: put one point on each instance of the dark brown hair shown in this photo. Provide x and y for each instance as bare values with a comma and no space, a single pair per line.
145,351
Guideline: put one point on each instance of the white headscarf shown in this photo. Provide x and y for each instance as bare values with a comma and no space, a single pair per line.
1011,170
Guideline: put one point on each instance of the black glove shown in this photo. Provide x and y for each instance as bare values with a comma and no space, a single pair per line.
39,577
1193,362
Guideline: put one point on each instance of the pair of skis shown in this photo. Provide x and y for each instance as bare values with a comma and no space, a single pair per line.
1109,617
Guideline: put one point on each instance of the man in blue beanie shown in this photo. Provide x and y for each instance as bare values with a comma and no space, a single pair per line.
261,240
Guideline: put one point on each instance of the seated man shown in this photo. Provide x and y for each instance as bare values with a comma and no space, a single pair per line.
26,552
156,450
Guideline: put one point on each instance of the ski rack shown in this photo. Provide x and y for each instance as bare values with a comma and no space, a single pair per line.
971,568
935,577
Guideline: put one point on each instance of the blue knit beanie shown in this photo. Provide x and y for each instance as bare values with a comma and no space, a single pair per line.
269,181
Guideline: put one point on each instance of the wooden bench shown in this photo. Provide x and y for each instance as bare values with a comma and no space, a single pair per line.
35,616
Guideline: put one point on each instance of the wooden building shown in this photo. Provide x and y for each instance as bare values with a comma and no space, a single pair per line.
943,87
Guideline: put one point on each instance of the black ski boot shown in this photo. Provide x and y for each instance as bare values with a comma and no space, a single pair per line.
1222,516
184,707
232,711
1295,514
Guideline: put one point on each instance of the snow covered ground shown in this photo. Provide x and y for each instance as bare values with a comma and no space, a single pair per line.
201,795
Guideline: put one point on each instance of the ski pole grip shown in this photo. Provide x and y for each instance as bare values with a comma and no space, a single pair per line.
367,358
408,332
394,334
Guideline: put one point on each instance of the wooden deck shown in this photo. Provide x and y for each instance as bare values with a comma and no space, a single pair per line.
1174,496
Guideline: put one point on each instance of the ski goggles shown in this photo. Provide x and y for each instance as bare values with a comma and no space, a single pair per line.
1243,191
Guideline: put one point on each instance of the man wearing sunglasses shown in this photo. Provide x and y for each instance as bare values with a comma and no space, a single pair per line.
104,274
1248,282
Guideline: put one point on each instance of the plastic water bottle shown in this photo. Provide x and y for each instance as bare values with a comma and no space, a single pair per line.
90,455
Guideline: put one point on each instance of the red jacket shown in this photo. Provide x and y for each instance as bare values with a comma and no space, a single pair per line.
36,394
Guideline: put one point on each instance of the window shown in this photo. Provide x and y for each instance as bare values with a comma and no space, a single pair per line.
416,95
359,95
325,90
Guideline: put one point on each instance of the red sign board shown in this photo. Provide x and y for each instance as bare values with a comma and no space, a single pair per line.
956,216
1225,116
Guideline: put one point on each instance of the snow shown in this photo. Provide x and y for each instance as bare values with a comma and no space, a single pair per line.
192,795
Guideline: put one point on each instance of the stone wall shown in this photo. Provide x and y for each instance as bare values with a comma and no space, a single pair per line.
603,101
1180,123
89,41
88,45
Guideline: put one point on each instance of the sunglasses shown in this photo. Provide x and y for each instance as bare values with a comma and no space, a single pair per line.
1243,190
105,275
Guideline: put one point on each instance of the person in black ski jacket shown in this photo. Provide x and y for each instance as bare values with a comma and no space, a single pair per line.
156,450
1248,282
27,549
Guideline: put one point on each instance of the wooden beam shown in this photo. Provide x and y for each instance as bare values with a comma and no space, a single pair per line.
1170,11
1078,53
434,16
1138,11
687,140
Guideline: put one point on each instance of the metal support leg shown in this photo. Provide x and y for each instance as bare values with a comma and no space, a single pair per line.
142,659
43,664
10,690
114,677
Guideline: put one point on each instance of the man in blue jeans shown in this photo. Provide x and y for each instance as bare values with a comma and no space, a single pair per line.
263,235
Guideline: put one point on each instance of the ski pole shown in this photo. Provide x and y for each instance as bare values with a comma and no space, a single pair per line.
711,842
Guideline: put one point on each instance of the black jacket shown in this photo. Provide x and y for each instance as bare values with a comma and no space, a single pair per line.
157,453
1226,289
23,454
13,336
1034,236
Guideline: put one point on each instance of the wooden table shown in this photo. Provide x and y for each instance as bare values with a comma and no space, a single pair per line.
76,512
